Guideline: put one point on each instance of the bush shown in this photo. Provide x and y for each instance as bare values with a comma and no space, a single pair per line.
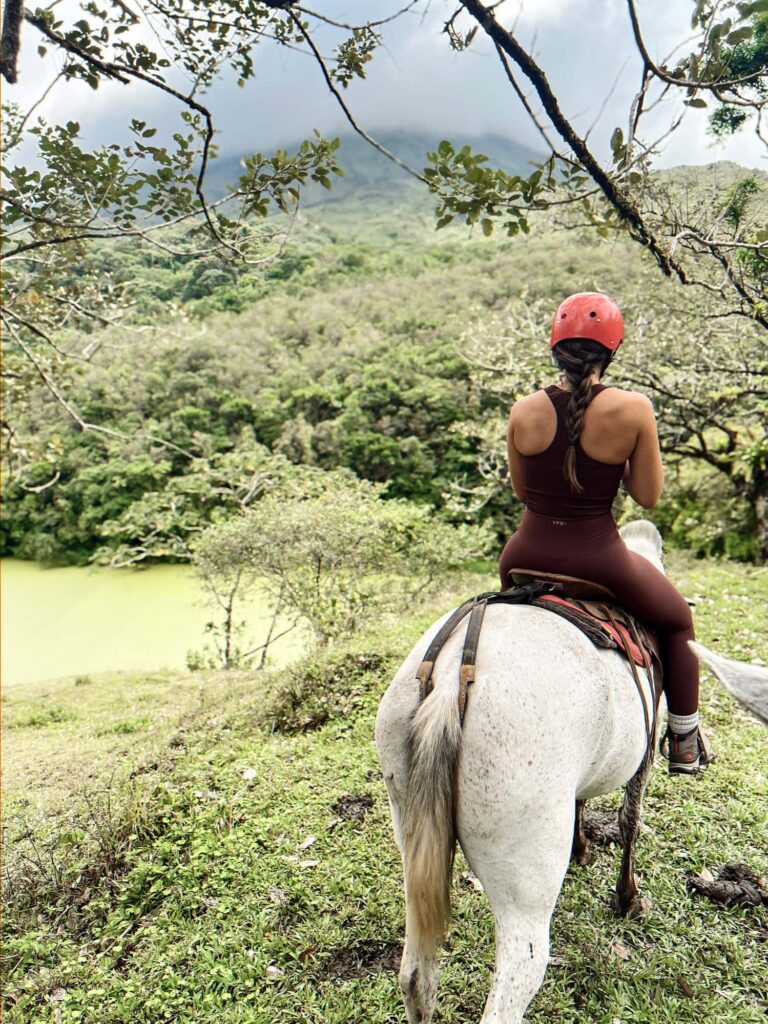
323,688
331,552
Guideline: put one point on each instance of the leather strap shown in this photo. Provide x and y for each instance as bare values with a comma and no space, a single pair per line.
513,595
469,654
650,725
424,671
528,594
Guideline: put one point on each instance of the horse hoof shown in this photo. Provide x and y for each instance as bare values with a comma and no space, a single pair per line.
630,906
585,857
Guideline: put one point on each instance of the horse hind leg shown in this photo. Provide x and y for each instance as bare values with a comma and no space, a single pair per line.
627,901
581,848
522,874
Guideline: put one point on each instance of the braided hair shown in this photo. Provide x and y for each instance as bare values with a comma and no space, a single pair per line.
578,358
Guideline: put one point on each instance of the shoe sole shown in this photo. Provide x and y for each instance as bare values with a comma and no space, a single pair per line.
693,769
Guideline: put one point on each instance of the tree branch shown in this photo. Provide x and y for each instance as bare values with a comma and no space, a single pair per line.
671,79
538,79
347,113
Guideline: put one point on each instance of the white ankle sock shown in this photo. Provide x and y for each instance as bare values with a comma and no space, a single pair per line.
682,724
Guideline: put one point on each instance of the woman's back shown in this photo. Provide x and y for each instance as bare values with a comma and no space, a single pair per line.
547,490
568,449
617,438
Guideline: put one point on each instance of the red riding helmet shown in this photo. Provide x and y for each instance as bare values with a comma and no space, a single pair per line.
589,315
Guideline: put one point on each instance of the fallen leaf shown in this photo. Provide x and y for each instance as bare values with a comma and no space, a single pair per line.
249,773
472,880
685,988
308,863
307,842
274,972
706,875
620,950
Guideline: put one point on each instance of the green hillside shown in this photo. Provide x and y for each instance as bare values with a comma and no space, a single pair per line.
351,348
371,178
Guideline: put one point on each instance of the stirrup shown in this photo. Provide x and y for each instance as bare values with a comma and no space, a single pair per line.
704,757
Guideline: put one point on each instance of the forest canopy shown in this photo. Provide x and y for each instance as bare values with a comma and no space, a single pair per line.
398,362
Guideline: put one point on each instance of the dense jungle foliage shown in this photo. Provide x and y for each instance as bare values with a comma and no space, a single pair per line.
359,350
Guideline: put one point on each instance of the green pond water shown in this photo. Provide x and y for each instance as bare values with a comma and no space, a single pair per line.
75,621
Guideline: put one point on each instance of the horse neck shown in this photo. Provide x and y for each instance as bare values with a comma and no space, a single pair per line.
645,547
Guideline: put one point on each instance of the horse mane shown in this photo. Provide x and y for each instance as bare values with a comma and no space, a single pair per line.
642,537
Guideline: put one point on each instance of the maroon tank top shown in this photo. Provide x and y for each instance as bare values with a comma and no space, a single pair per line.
547,491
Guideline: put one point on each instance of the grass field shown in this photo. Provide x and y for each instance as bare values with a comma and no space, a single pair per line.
241,866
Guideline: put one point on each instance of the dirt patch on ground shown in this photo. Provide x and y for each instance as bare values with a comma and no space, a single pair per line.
369,956
353,806
601,826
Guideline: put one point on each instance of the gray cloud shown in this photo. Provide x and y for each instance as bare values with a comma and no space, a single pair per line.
416,81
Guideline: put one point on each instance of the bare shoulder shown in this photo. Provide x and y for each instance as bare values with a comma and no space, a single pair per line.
629,404
530,405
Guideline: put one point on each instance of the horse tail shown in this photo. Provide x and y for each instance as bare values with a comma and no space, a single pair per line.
429,820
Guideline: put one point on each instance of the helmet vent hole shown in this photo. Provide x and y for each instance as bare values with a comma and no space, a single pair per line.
563,316
593,313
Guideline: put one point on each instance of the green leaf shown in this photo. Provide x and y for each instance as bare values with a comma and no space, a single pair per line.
756,7
487,225
740,35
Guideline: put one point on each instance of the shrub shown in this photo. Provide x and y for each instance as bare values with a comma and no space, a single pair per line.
323,688
331,552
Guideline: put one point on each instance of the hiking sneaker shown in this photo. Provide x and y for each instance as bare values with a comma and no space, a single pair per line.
688,754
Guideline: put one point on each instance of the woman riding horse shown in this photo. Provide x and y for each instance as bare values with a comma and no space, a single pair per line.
569,446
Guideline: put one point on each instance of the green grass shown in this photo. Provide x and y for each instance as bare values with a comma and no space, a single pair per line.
64,735
229,887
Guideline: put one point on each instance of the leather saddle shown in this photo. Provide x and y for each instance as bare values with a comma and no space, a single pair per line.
588,605
570,586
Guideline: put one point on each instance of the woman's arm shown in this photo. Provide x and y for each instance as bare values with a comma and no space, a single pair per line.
644,473
514,463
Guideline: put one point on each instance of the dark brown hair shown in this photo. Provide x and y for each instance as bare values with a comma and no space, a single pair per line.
578,358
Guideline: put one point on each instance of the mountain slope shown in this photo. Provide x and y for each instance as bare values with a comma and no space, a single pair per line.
369,174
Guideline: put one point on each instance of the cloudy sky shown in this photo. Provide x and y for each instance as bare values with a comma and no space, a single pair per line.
416,81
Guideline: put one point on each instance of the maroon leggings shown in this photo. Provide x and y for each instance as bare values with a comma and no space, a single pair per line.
593,549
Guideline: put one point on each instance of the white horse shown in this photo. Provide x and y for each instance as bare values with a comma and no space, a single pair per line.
551,720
